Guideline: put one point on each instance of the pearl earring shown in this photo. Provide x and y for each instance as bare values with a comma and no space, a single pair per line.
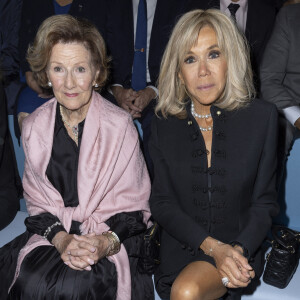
96,85
49,83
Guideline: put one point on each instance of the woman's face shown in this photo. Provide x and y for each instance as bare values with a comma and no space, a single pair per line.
72,75
204,69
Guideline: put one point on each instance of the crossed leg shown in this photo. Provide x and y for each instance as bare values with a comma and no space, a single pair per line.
199,280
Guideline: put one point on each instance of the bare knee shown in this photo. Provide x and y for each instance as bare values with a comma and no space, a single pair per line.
197,281
185,291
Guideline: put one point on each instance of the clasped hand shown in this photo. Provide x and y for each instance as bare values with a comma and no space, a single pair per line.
81,252
230,262
132,101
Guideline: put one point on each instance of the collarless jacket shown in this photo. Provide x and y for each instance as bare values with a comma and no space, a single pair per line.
233,200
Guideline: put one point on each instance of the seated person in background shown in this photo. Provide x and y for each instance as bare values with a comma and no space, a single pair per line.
34,12
214,152
10,18
85,181
280,77
137,33
9,177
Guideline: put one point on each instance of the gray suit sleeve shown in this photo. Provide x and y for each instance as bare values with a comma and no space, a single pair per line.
275,62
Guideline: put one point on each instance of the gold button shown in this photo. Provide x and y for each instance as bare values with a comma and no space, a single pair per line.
190,123
218,112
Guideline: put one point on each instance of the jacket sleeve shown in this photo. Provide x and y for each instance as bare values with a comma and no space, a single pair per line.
274,64
264,204
10,12
163,201
9,199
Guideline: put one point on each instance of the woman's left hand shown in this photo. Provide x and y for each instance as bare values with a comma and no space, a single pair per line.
231,263
99,242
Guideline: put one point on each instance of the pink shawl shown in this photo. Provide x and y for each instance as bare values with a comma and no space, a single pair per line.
112,176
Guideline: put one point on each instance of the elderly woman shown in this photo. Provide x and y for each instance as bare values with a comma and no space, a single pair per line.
85,182
214,153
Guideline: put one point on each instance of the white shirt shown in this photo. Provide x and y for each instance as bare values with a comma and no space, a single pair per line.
241,13
292,113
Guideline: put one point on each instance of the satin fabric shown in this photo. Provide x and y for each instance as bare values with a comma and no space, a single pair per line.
44,276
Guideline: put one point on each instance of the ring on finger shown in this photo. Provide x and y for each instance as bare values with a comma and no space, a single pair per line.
225,281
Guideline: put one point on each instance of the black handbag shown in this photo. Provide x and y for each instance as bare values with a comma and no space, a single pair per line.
283,259
149,253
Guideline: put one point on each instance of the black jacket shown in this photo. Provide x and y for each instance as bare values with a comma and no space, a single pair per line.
10,12
10,183
233,200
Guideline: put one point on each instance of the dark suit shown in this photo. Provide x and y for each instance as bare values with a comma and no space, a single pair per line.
280,73
9,177
120,37
234,200
120,42
10,18
260,20
34,12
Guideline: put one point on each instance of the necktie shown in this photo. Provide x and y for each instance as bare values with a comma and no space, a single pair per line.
138,80
233,9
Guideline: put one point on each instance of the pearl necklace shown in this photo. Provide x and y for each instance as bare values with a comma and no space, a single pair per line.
209,128
198,115
74,129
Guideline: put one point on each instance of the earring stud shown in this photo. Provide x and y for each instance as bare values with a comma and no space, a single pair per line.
49,83
96,85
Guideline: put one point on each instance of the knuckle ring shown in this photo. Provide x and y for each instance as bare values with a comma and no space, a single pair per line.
225,281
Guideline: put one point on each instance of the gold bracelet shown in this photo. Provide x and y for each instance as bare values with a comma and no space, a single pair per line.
115,244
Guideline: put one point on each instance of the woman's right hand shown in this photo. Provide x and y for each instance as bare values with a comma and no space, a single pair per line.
230,263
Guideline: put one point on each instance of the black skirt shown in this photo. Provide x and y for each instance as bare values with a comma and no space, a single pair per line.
43,275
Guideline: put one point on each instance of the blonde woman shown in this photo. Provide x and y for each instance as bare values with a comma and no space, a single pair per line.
214,151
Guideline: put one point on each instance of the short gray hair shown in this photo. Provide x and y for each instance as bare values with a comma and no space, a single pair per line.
67,29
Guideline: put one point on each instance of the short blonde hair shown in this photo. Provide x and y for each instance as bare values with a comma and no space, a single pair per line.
239,88
66,29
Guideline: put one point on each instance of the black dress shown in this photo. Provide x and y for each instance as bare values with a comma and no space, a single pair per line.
43,275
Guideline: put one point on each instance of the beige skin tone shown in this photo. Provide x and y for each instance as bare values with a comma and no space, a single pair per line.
291,2
297,123
132,101
203,73
72,75
32,83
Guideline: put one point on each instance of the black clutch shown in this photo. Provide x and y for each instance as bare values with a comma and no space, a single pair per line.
283,259
149,256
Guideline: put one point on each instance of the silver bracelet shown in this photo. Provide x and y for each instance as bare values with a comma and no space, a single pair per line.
48,230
